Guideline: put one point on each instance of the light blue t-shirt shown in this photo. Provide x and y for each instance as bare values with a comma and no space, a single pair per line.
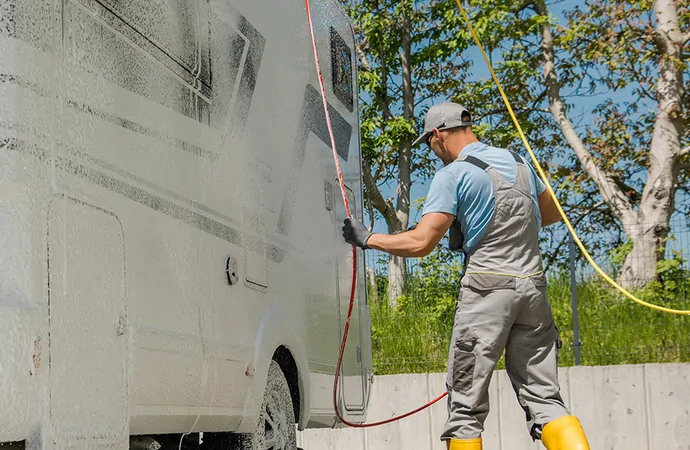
466,191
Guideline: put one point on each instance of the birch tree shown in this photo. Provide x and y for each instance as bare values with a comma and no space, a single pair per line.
624,161
619,165
636,42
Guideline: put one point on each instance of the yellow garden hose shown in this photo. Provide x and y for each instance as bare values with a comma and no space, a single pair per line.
571,229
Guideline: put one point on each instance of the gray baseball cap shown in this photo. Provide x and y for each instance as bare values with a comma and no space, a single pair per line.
443,116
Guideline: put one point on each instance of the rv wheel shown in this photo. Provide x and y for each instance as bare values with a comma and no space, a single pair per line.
276,428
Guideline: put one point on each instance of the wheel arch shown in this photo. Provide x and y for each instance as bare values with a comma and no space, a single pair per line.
288,365
277,341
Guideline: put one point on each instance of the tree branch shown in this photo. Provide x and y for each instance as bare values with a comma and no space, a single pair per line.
658,197
382,95
374,194
383,104
363,57
685,150
639,78
517,111
610,192
668,33
527,4
405,150
372,218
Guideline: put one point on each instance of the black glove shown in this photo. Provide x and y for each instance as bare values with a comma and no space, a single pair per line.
355,233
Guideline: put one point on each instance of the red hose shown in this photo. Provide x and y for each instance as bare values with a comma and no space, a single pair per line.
343,343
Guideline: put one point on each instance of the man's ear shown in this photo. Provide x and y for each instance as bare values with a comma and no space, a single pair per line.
437,134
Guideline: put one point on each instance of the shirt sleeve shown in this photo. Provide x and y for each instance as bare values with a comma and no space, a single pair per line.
443,194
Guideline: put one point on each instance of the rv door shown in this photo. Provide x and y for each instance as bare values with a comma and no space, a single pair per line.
352,371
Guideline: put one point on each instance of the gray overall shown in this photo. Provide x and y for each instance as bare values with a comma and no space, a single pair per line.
502,305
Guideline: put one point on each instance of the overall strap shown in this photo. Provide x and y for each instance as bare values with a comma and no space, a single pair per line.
522,183
456,241
475,162
518,158
456,238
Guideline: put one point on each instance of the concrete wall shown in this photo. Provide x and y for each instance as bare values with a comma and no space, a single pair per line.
621,408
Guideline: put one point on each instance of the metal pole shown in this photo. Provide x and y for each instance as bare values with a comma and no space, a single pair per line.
573,292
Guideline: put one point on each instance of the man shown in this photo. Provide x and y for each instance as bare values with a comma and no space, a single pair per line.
494,204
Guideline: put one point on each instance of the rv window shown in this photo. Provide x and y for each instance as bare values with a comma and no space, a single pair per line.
173,27
341,62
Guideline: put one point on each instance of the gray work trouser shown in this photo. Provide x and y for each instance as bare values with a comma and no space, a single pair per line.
496,313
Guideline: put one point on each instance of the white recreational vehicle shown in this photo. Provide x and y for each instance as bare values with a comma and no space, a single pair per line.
170,250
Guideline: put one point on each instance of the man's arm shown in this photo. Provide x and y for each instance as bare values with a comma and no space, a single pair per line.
547,207
414,243
439,212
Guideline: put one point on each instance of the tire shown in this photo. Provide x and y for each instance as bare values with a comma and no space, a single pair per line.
276,426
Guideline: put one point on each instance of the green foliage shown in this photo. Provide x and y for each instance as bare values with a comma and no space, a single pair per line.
619,253
421,315
607,61
437,69
414,336
670,283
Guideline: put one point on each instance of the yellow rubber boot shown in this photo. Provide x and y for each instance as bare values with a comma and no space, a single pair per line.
465,444
565,433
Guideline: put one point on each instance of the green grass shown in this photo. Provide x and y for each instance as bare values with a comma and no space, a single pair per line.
413,337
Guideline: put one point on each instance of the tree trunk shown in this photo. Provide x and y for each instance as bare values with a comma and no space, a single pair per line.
396,216
397,265
651,230
405,157
647,227
397,269
610,192
639,268
373,288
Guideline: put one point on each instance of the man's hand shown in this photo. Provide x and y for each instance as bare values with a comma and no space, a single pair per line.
355,233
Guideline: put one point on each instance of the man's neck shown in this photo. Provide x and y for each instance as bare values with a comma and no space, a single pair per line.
466,143
462,145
